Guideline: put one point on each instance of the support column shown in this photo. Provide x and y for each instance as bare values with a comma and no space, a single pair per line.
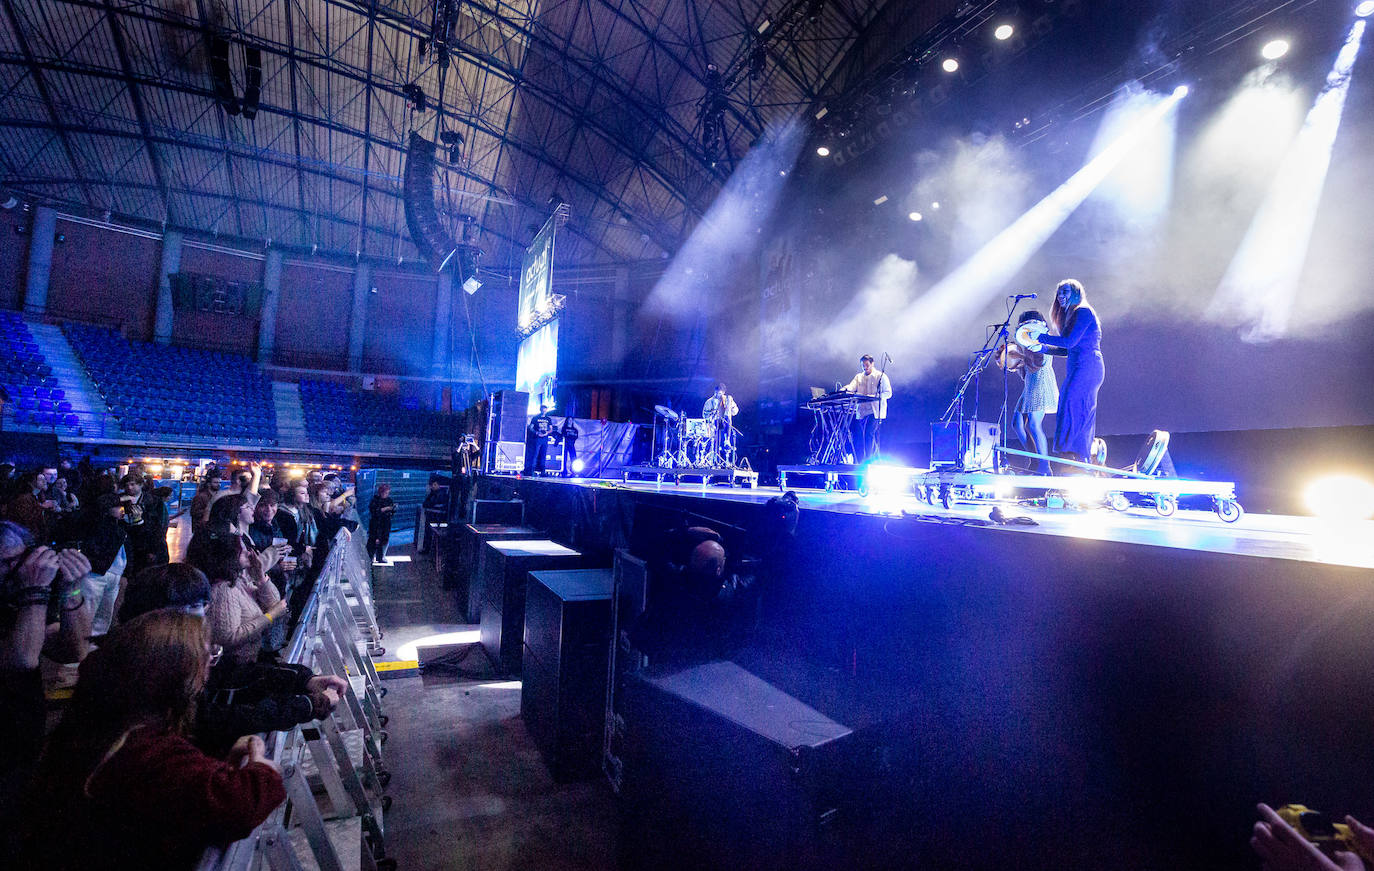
357,323
171,264
439,353
41,232
271,292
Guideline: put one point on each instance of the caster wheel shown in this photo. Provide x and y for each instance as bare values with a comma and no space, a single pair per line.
384,719
1119,502
946,497
1229,510
384,736
386,803
382,692
377,652
1166,505
384,778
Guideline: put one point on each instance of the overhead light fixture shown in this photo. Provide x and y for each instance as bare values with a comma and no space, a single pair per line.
1004,31
1274,49
935,205
10,202
822,151
471,285
1181,91
951,65
880,200
763,26
1365,9
821,113
915,216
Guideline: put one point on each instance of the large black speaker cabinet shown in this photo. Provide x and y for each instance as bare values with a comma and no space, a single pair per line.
422,218
724,770
509,416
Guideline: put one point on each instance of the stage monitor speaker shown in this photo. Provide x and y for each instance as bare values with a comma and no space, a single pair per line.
729,770
422,218
964,445
509,416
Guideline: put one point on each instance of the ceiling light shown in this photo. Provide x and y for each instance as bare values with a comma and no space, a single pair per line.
1365,9
1004,31
1274,49
951,65
914,216
880,200
822,151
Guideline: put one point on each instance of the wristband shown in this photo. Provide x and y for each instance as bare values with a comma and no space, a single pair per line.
78,606
268,615
26,597
74,592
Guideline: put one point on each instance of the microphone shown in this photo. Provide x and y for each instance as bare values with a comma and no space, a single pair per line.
1022,296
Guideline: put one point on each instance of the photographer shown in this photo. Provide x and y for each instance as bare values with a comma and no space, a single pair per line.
42,611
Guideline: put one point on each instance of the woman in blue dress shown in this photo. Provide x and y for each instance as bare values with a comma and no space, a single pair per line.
1079,340
1039,396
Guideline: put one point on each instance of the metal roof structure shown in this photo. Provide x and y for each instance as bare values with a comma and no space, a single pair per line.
110,106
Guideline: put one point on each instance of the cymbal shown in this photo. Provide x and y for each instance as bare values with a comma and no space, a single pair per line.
666,412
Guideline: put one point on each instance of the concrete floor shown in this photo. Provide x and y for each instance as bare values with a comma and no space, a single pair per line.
469,789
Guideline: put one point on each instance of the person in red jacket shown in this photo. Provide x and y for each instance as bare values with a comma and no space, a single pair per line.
120,785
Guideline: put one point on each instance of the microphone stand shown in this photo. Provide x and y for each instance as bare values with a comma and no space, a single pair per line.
955,410
877,433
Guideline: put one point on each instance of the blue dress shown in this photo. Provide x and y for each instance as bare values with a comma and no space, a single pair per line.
1075,421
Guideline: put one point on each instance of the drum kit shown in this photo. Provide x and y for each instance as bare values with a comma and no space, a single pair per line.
692,442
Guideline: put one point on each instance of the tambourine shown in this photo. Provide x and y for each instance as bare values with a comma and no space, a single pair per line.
1028,334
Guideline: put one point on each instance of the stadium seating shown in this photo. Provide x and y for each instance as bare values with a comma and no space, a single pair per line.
174,392
337,414
28,379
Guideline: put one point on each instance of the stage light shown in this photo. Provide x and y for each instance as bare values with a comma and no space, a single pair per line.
1260,286
578,465
935,206
880,200
884,478
915,216
1181,91
951,65
1340,497
1365,9
822,151
1274,49
956,299
1004,32
471,285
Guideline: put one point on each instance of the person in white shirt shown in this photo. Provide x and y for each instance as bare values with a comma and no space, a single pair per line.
869,416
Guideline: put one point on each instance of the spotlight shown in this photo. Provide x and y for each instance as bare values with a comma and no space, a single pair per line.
822,151
1004,32
1180,92
1274,49
915,216
1340,497
1365,9
951,65
471,285
935,206
578,465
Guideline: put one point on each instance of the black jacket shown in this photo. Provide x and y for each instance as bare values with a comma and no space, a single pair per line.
102,543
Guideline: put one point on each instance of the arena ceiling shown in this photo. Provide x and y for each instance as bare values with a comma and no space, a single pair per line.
109,106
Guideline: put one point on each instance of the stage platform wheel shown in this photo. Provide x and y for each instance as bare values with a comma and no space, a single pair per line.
1166,505
946,496
1229,510
1119,502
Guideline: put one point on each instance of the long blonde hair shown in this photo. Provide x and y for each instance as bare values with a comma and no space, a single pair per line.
1068,296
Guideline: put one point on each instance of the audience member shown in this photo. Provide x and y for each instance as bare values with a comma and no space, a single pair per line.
434,509
145,521
120,785
243,602
105,545
239,699
205,494
29,505
380,511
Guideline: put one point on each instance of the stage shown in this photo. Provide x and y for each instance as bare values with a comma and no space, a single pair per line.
1098,681
1275,536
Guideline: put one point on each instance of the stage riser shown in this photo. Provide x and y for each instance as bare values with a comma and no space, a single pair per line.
1041,699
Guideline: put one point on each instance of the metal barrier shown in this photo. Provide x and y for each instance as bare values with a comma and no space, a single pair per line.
333,768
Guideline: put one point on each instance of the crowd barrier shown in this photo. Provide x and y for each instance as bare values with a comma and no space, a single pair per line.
334,770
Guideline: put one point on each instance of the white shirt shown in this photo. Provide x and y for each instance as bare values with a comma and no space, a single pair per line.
876,384
727,406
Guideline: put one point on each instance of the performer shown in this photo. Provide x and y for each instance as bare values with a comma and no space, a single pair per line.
720,409
570,432
1039,395
1080,340
536,440
869,416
